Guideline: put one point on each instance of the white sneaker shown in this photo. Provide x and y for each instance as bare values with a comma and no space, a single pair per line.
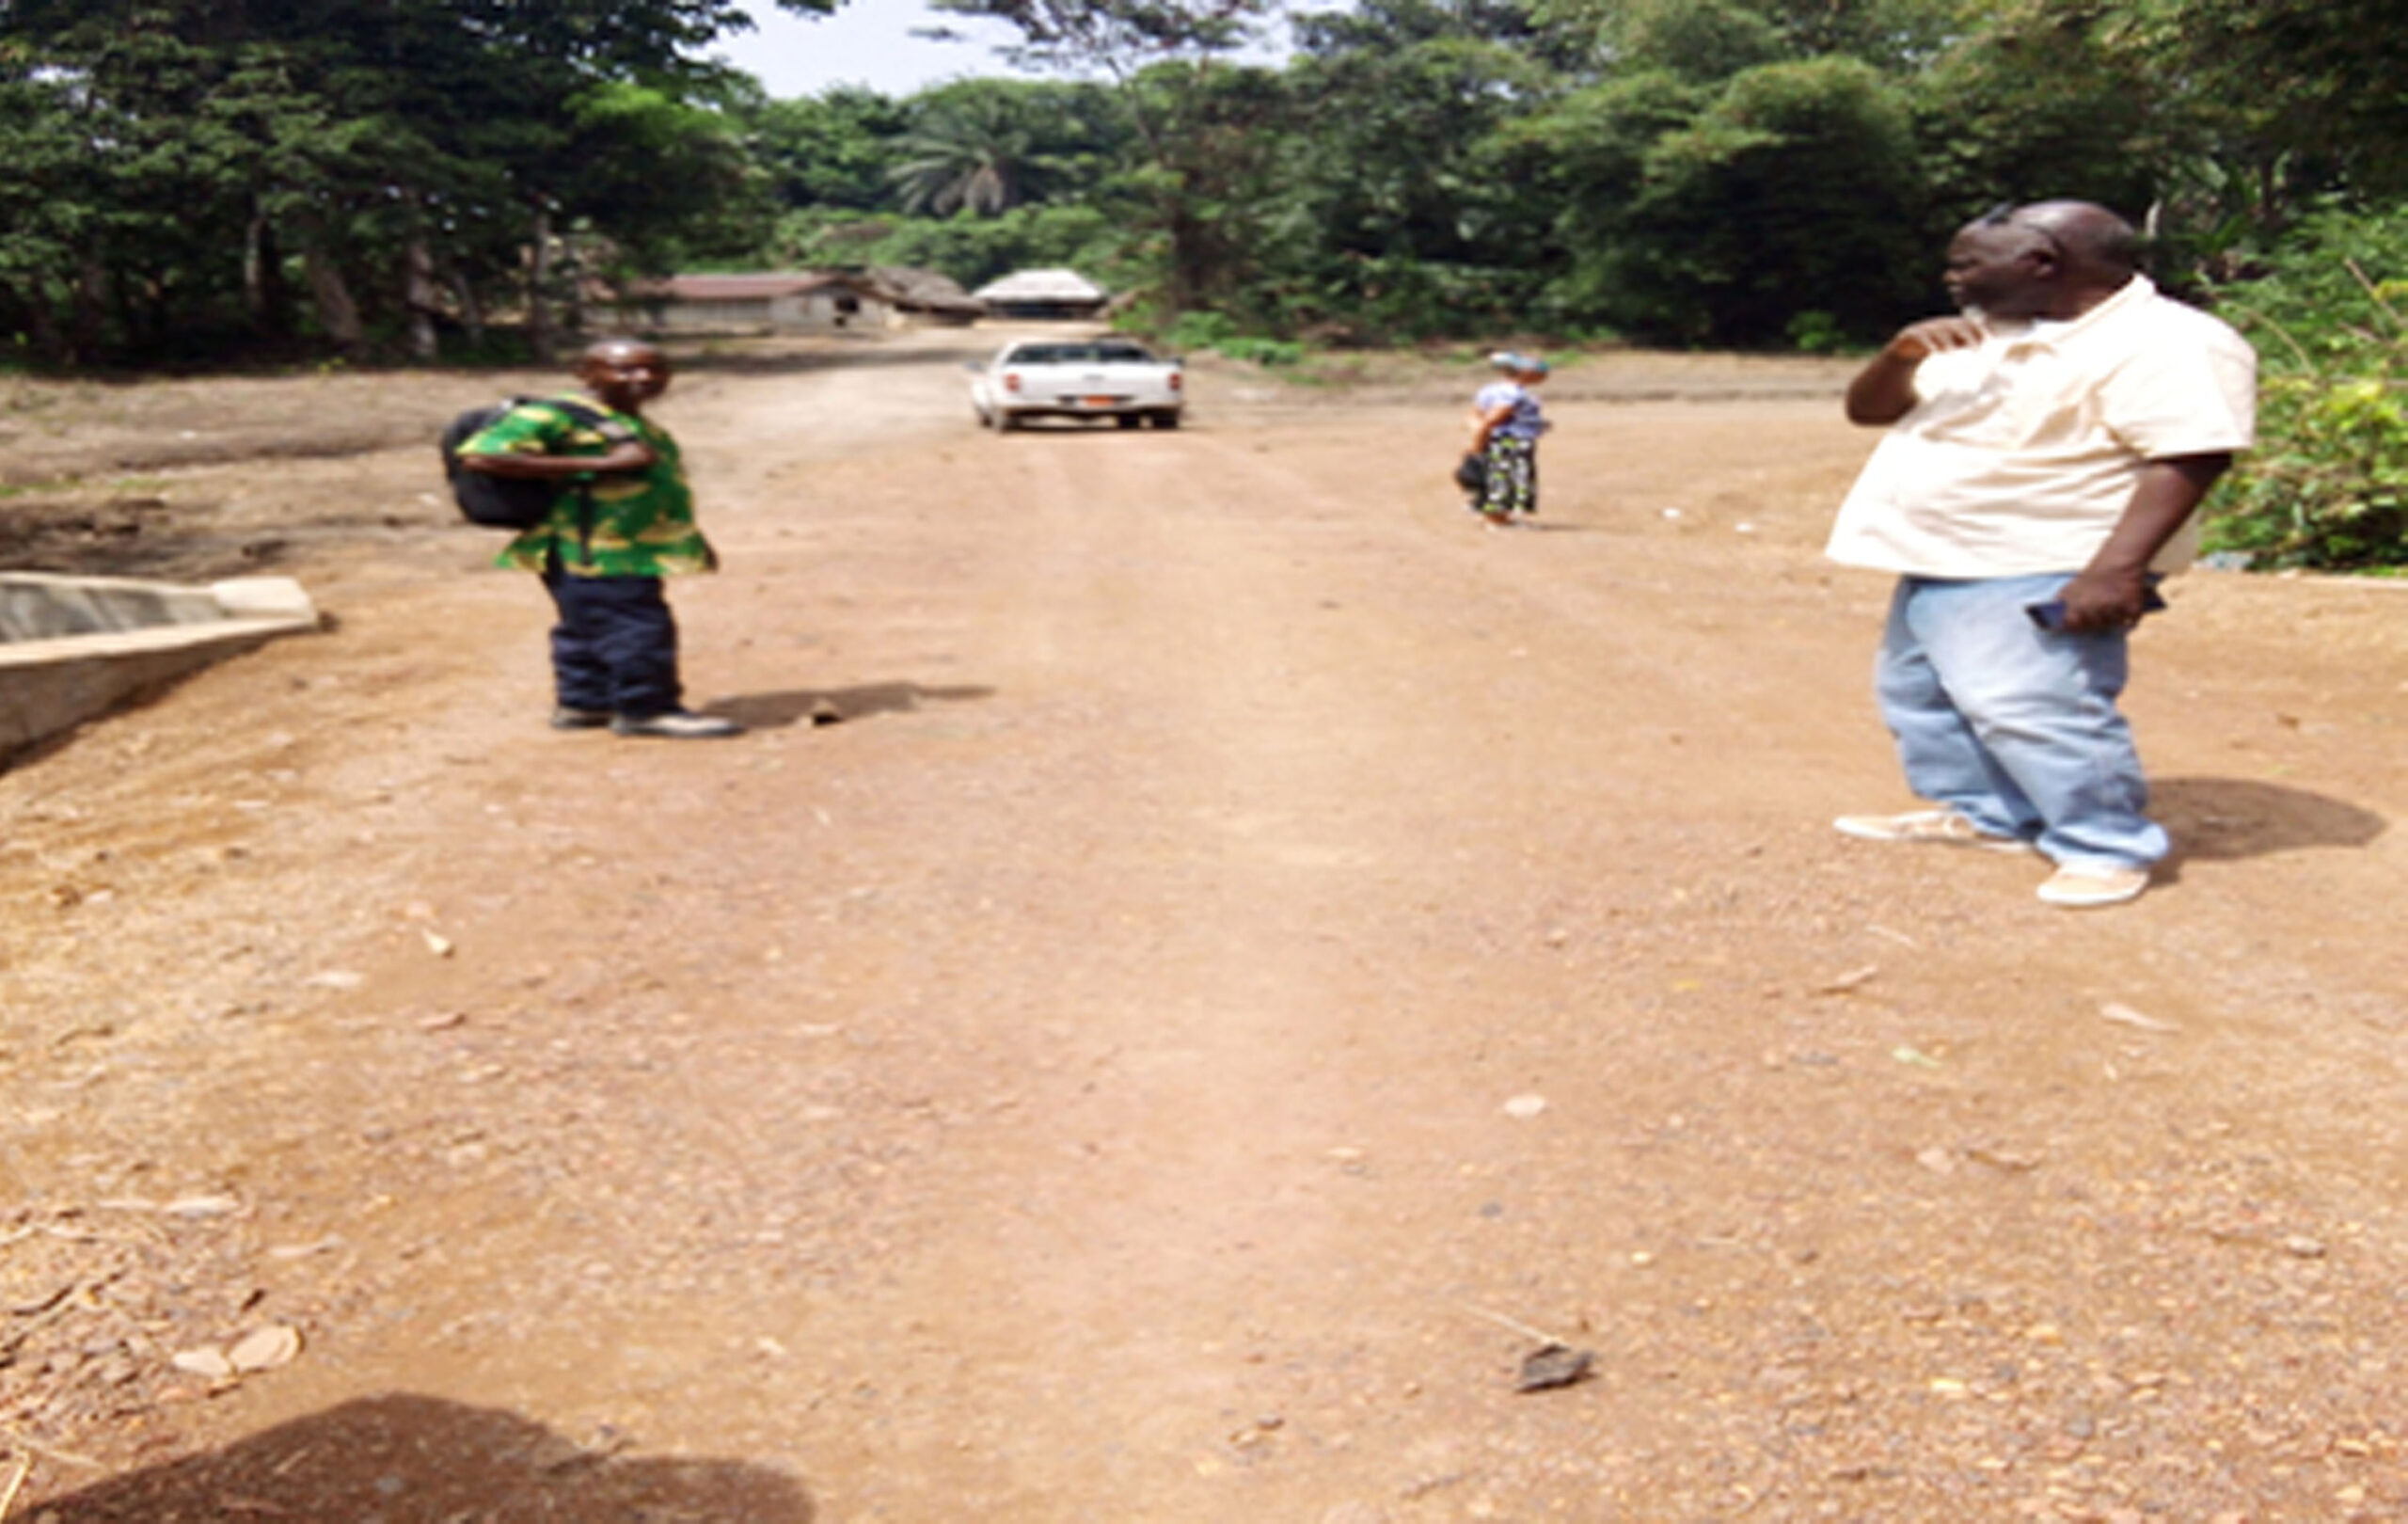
2087,888
676,724
1947,827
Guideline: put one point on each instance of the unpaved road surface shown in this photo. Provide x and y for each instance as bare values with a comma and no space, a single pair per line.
1207,959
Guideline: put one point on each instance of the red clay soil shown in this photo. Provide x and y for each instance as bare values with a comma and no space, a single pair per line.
1207,959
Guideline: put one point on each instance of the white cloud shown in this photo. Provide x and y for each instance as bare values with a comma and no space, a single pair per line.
870,42
865,42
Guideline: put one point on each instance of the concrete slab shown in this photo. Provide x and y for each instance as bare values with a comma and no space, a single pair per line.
73,648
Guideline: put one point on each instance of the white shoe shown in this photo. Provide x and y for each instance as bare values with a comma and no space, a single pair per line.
676,724
1947,827
2087,888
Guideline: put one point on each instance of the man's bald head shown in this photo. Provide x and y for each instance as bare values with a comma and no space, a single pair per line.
2094,241
2044,259
623,373
618,350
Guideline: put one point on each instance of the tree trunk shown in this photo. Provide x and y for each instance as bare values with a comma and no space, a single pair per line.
418,298
255,258
539,278
573,273
265,297
337,314
1191,260
89,325
472,312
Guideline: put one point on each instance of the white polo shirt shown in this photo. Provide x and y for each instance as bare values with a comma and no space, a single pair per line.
2021,453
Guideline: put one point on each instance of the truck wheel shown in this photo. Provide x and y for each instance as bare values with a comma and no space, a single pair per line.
1006,423
1127,420
1165,420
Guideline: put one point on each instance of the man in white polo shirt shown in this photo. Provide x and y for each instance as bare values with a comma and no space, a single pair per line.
2047,451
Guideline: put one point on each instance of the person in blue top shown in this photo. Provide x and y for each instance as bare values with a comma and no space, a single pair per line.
1505,428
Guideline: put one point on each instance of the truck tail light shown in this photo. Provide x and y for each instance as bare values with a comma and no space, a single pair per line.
1177,381
1011,381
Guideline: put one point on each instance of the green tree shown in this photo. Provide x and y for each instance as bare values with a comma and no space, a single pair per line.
2035,108
1795,192
1196,204
1716,39
1703,42
1399,210
1585,157
2314,82
987,145
44,224
1894,36
1188,112
837,149
199,150
2223,121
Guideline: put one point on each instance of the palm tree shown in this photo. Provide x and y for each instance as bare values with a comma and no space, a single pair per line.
970,148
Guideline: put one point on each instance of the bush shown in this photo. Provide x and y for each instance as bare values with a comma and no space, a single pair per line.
1200,330
1217,332
2327,486
1816,332
1263,351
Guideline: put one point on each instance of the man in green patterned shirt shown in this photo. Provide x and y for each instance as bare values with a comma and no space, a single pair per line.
624,521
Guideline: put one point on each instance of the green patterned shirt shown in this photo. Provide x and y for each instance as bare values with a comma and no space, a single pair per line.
642,522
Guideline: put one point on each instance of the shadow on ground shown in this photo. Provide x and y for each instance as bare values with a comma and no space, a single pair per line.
2222,819
833,705
418,1460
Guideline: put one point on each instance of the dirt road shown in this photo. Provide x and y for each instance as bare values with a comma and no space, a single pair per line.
1207,959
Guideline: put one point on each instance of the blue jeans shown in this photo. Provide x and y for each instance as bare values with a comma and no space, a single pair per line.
2014,727
615,647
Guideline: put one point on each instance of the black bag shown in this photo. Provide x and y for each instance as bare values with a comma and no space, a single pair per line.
511,503
1471,474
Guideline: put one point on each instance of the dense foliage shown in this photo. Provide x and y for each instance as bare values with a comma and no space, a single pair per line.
200,177
2328,485
216,177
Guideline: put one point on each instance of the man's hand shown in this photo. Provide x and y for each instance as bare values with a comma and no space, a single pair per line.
2110,592
626,455
1884,390
2100,601
1918,341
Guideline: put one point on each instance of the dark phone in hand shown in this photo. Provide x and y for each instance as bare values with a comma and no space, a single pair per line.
2051,614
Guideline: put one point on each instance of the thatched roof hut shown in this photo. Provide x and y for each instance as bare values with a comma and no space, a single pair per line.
925,294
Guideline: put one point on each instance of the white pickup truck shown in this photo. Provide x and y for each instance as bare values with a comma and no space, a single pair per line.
1115,378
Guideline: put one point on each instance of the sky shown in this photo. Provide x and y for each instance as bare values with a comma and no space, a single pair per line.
870,42
865,42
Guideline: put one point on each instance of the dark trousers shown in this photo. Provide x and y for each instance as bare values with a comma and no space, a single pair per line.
615,647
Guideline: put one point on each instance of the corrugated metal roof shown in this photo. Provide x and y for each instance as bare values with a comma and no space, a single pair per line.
738,288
